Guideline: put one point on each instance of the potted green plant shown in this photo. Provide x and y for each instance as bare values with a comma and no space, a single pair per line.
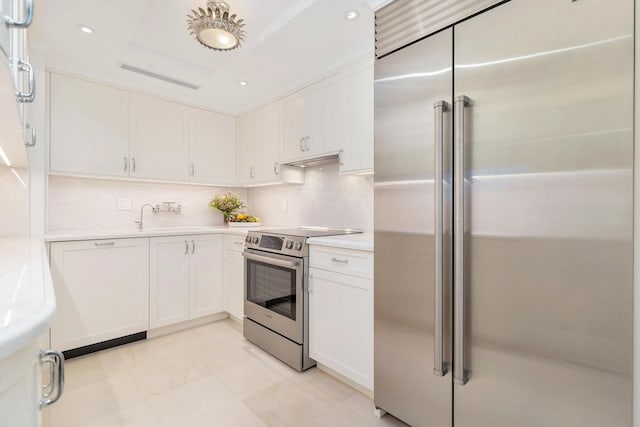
228,204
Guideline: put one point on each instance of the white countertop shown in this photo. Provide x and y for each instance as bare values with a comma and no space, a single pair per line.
27,300
360,242
59,236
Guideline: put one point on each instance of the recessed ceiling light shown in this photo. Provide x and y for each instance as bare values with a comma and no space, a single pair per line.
351,14
243,83
85,29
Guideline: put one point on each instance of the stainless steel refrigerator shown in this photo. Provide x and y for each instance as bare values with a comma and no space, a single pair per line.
503,217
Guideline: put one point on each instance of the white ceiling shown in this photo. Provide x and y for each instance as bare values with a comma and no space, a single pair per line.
289,43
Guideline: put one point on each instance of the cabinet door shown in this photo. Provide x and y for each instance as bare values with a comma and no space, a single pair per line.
341,324
234,276
259,139
102,290
89,128
212,148
158,139
356,117
305,122
169,280
205,275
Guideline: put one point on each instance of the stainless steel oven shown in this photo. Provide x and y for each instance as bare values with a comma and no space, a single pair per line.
276,271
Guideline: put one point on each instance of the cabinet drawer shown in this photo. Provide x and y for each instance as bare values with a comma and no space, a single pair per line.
345,261
234,243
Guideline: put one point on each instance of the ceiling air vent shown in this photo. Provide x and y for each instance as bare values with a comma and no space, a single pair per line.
159,76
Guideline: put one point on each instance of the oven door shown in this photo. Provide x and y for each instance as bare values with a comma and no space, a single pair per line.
273,292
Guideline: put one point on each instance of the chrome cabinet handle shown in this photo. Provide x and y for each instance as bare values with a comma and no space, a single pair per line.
252,172
439,368
459,374
193,170
104,244
310,286
28,16
236,242
186,247
30,142
275,168
133,164
53,390
126,163
301,144
193,247
31,94
341,261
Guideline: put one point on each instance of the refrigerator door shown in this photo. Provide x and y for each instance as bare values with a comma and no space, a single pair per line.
547,255
413,90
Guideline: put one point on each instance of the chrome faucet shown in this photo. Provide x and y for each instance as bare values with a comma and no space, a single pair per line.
154,209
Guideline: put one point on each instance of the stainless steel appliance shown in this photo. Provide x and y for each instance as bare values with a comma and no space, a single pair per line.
504,216
276,302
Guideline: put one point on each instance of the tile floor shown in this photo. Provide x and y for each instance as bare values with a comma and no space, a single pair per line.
205,376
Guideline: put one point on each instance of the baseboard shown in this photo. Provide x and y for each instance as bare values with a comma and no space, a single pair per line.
347,381
165,330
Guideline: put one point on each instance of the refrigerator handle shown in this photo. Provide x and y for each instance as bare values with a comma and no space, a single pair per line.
439,367
459,374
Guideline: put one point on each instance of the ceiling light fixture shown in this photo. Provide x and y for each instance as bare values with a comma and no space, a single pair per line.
85,29
351,14
215,28
243,83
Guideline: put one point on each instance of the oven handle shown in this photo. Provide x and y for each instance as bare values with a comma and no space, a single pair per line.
270,260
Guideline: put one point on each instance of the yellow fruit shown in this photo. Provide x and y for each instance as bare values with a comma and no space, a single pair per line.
241,216
257,219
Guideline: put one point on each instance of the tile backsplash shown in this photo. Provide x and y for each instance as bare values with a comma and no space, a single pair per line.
325,199
89,204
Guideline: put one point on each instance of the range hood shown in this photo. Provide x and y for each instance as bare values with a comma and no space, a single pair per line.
316,161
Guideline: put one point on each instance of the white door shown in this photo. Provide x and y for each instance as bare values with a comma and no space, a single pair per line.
341,324
259,139
89,128
102,290
212,147
234,276
158,139
169,280
205,275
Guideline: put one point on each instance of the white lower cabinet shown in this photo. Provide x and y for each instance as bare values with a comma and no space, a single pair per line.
185,278
341,312
234,276
102,290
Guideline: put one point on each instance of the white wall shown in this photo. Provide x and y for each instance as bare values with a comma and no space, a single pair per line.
89,204
326,199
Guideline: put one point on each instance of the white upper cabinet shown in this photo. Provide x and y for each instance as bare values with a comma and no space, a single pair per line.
305,122
89,128
158,142
259,137
355,130
212,148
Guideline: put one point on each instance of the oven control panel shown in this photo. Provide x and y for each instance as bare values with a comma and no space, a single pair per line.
279,244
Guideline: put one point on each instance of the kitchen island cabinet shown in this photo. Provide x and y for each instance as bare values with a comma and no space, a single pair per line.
185,278
102,290
341,312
